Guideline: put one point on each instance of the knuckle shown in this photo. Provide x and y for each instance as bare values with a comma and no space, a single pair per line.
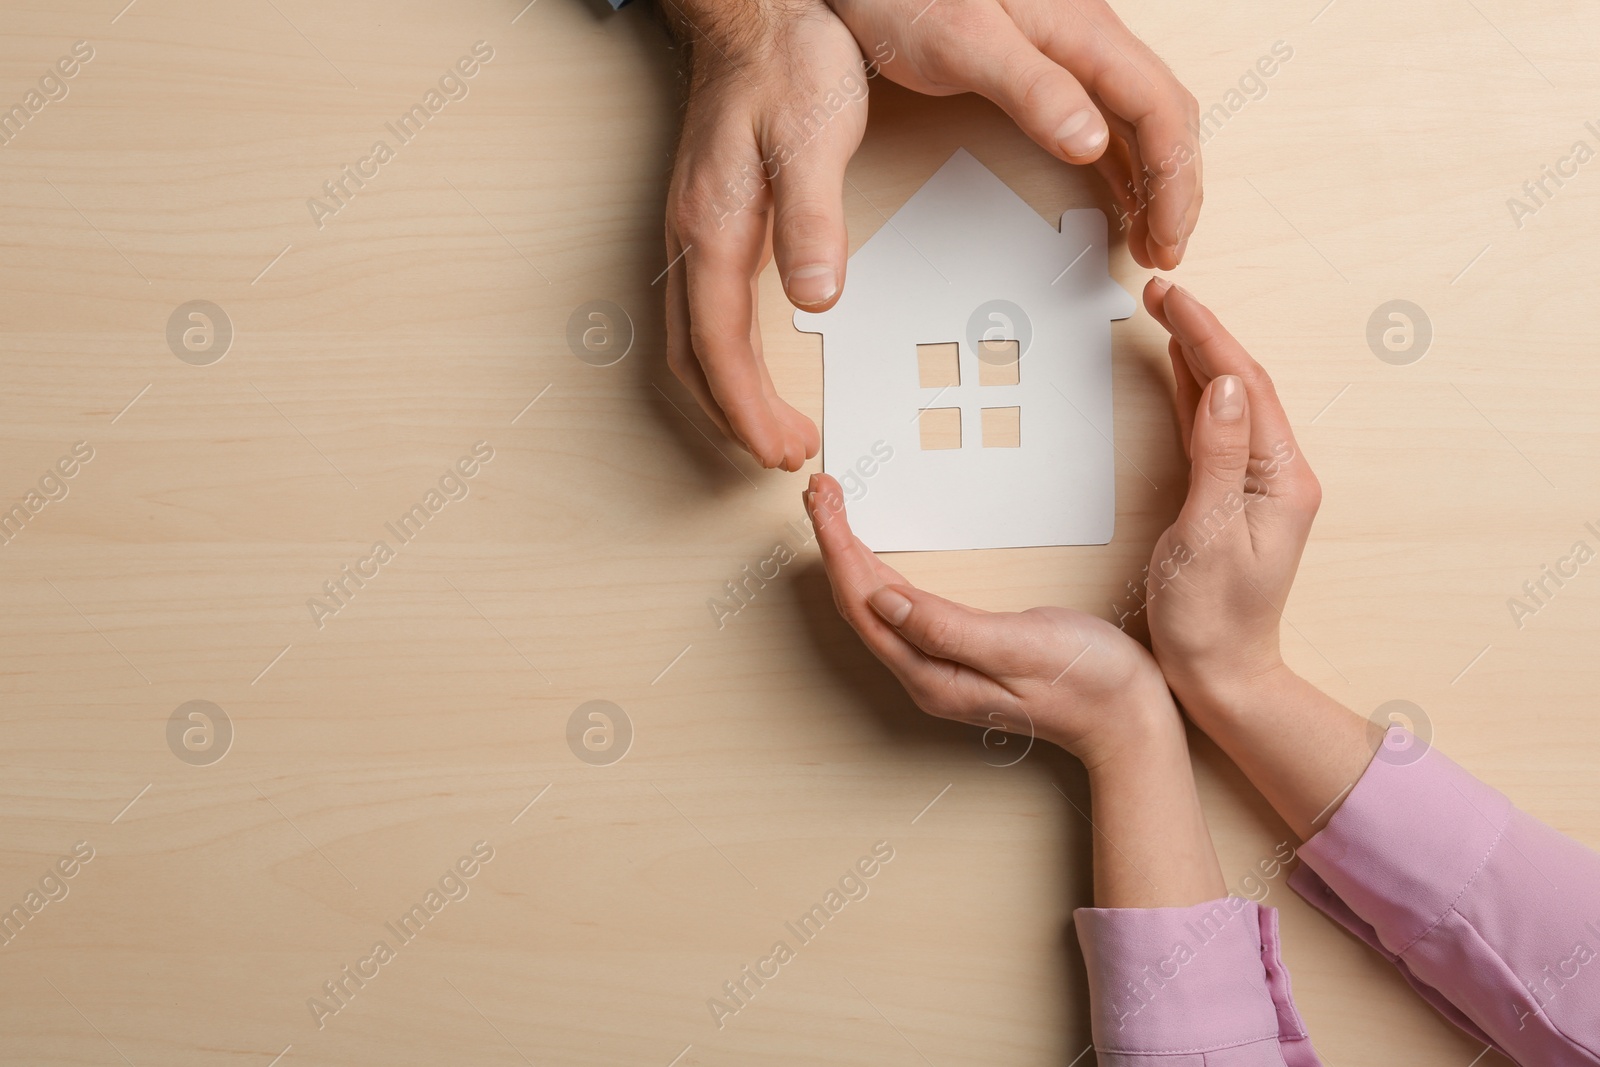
688,217
1034,87
808,223
957,15
1308,492
934,702
701,206
942,635
700,342
1256,378
710,342
947,43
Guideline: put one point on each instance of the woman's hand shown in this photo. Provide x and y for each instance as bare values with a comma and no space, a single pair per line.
1075,79
777,106
1069,678
1064,676
1220,575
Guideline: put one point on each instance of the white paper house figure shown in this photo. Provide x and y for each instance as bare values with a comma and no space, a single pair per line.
968,262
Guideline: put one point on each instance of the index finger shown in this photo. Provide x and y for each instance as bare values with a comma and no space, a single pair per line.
939,686
1217,352
1133,82
718,268
721,244
854,572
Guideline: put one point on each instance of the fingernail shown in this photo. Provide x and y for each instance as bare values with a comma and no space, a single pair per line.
891,605
1227,398
1083,133
1162,285
812,285
1183,246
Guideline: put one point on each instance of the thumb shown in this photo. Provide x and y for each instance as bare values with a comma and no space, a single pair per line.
809,239
944,629
1221,450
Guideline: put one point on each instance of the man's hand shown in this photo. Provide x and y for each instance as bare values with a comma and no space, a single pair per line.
1221,573
1075,79
777,106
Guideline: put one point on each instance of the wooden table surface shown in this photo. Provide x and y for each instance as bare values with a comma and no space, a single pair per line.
347,761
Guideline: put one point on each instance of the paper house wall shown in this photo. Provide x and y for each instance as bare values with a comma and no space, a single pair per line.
964,261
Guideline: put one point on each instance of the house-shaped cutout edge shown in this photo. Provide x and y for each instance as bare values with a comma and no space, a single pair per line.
966,257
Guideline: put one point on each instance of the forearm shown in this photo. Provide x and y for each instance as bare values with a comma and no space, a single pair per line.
1301,749
1177,969
1151,845
1490,914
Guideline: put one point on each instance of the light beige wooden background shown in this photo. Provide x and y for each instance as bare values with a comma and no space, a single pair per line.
371,753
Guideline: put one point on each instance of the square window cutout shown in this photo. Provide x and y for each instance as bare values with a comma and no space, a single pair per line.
1002,428
999,363
938,366
940,428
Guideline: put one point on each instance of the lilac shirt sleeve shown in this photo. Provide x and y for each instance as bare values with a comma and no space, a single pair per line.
1190,987
1490,914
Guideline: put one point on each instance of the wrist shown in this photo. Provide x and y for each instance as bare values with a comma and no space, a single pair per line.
1302,749
737,29
1219,695
1142,724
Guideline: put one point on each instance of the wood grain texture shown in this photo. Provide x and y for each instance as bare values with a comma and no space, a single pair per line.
371,752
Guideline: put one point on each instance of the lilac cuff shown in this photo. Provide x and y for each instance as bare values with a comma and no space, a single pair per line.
1492,916
1192,986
